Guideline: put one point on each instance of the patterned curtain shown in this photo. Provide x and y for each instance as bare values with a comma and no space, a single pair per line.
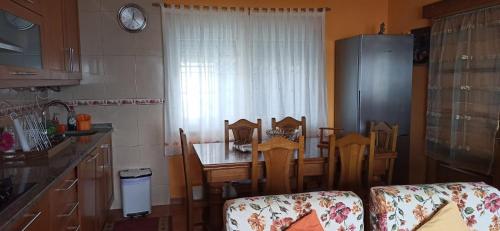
464,89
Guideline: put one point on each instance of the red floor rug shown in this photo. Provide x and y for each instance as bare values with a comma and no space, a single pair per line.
142,224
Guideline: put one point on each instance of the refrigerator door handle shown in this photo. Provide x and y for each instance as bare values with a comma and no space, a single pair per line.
359,109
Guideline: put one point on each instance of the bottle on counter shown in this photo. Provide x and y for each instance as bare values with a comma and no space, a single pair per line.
72,120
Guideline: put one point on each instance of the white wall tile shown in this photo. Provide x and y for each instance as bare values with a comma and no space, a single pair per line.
120,79
149,76
150,122
89,5
150,40
92,64
125,124
90,33
152,157
116,41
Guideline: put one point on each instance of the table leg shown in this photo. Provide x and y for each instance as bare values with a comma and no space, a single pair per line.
215,202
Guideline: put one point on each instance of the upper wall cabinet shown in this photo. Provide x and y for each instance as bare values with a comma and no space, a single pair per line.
62,42
39,43
33,5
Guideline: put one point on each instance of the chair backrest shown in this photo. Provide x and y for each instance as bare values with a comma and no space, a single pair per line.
278,153
386,136
332,158
243,131
290,123
352,149
187,179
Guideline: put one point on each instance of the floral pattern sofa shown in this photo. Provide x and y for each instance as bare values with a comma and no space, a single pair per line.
336,210
406,207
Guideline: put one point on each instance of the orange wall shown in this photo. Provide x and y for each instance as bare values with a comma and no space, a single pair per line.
347,18
405,15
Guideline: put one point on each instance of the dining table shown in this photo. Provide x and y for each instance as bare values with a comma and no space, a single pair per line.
221,163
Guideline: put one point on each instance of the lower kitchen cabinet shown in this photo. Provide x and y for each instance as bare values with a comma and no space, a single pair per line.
79,201
95,191
87,192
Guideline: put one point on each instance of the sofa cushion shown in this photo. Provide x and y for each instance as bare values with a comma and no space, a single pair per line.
446,218
406,207
337,211
309,222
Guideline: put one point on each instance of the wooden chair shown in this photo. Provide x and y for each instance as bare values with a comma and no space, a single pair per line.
352,149
190,202
386,138
290,123
243,131
324,137
278,155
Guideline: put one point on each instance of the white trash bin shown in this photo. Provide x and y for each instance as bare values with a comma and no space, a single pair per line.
136,192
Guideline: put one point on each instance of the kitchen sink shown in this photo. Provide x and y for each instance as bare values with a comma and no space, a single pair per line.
80,133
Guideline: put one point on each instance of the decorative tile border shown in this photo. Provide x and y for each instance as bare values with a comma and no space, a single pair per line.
101,102
114,102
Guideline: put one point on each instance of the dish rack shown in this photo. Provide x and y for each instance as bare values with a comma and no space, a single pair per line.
31,131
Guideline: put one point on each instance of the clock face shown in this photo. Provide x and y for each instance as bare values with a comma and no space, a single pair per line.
132,18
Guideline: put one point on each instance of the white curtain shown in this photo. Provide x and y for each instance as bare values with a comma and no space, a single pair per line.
231,65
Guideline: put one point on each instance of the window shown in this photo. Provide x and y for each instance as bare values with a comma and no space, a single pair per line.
233,65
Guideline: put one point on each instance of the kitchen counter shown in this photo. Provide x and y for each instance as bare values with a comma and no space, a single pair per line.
35,176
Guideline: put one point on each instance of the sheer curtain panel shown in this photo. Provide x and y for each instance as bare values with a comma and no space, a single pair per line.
464,89
231,65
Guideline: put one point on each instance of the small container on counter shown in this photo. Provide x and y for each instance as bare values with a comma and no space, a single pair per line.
84,122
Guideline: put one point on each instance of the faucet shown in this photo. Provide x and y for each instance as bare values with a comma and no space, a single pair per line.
55,102
52,103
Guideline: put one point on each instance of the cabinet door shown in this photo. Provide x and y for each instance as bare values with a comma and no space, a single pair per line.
71,30
34,5
53,47
108,173
100,189
87,192
36,218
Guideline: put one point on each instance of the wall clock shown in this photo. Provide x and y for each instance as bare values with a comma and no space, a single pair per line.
132,18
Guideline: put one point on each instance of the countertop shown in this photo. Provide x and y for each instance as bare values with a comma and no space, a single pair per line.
45,171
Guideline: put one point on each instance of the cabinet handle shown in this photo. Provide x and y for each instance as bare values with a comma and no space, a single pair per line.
35,216
71,54
23,73
93,158
73,182
73,209
75,228
105,146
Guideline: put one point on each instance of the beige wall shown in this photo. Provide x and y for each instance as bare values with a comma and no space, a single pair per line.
405,15
121,65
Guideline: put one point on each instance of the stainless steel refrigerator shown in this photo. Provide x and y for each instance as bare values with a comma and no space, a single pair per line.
373,76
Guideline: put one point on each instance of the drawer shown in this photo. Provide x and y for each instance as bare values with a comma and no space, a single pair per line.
72,224
64,200
33,5
35,218
61,221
